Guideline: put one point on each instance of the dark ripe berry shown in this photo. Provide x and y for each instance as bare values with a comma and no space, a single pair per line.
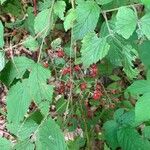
116,100
89,113
66,71
103,103
14,32
112,106
83,86
60,53
45,64
61,88
69,84
77,68
97,95
98,87
9,53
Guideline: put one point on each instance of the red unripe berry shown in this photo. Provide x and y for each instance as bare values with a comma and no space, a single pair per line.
113,91
97,95
93,70
66,71
45,64
94,66
60,53
83,86
77,68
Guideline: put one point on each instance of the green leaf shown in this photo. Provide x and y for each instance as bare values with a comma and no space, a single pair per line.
2,60
59,9
5,144
111,128
31,43
29,23
18,101
50,136
12,6
142,110
44,107
26,128
42,22
127,119
87,18
129,56
139,87
126,22
38,84
2,1
56,43
103,2
69,19
15,69
93,49
144,53
24,145
146,132
129,139
1,35
23,130
145,23
121,53
146,2
44,4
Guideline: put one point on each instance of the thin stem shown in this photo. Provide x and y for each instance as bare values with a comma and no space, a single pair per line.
85,123
50,16
21,43
35,7
70,59
116,9
106,20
